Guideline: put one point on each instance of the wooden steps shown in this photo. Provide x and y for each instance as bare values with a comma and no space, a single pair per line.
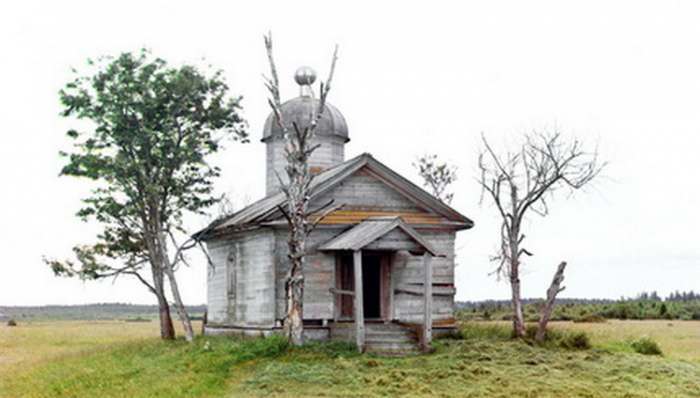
380,338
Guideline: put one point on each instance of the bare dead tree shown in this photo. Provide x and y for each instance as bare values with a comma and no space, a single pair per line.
437,176
522,182
298,150
554,288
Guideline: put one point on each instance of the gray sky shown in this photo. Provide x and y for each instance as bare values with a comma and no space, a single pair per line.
411,78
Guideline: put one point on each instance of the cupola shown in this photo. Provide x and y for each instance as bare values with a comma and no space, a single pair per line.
331,132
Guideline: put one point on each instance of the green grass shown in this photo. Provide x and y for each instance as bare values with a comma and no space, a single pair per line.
483,362
144,369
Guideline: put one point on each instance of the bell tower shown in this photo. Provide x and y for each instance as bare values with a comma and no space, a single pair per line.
331,132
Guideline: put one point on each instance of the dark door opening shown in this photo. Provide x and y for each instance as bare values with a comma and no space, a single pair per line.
371,286
376,281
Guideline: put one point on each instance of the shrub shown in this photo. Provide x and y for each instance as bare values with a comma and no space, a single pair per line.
590,318
531,331
575,341
646,346
570,340
562,317
11,322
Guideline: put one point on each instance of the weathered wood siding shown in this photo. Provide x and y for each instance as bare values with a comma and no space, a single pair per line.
256,263
408,270
394,241
241,285
330,153
217,300
319,274
363,190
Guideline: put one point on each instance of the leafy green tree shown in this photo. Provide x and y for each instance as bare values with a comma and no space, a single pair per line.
151,128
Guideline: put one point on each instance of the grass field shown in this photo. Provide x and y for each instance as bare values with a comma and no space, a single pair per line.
678,339
122,359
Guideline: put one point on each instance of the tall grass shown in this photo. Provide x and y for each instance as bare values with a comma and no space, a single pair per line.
573,340
484,362
151,368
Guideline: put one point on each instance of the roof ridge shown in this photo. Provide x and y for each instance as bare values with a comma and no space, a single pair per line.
327,179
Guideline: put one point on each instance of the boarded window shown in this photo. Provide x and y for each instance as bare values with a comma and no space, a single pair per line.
232,262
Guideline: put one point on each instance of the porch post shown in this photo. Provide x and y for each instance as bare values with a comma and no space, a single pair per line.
428,302
359,303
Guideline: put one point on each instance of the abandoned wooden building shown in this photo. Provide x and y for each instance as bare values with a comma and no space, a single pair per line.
379,269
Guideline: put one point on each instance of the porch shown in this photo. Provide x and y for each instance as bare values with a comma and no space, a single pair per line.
364,290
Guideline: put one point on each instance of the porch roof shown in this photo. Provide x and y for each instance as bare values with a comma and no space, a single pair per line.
372,229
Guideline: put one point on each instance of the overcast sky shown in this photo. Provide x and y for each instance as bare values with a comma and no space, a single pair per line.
429,77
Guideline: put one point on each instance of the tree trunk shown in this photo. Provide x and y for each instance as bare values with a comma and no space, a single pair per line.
293,323
514,245
518,319
179,306
204,322
175,291
552,292
167,331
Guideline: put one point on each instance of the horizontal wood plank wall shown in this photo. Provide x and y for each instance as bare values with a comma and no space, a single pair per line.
361,190
363,195
364,191
330,153
253,299
408,271
319,274
350,215
393,241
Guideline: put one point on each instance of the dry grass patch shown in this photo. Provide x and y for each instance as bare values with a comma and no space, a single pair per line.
677,339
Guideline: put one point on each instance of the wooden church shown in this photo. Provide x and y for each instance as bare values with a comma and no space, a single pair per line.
379,269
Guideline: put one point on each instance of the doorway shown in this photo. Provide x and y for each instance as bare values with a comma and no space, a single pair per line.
376,286
371,286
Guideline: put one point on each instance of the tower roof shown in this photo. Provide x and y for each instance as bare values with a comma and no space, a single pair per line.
299,110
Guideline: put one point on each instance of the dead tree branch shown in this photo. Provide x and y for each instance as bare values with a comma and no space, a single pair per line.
297,190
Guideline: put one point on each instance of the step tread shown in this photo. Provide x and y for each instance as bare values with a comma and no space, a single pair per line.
383,334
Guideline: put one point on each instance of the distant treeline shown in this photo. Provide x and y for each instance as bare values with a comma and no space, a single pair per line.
100,311
678,305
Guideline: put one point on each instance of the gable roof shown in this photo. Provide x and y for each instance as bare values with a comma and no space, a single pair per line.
259,211
372,229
